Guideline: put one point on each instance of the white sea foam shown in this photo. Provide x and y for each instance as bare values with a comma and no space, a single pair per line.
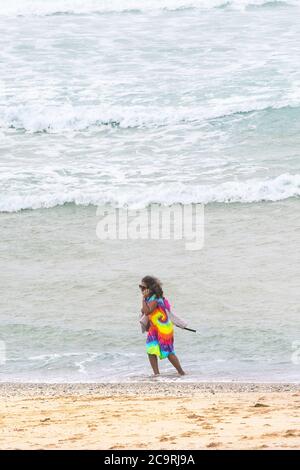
219,120
57,118
274,189
46,7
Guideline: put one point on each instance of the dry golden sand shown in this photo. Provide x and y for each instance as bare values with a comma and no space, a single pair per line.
150,416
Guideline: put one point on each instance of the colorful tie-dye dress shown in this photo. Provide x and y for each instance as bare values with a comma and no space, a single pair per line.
160,339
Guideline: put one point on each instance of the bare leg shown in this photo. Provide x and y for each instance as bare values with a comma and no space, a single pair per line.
154,363
175,362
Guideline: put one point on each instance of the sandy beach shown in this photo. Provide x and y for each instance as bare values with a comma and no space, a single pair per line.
150,415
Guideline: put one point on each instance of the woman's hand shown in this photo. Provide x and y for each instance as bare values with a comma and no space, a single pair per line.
146,293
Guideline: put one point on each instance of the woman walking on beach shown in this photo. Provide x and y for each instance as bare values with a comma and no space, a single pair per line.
160,336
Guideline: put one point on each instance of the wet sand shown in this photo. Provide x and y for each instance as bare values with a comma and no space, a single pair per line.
150,416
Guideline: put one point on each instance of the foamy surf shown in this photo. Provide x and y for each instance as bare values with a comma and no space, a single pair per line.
250,191
68,118
54,7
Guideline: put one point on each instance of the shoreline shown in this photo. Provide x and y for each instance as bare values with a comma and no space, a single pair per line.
154,416
151,387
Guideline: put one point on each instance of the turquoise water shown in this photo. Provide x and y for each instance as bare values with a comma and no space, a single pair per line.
131,102
70,302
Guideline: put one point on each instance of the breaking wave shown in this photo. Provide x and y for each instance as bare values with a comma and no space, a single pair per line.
55,7
273,189
53,119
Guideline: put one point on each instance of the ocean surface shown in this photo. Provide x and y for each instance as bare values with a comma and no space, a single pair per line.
124,103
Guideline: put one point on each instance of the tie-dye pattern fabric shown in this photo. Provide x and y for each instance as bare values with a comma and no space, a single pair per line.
160,339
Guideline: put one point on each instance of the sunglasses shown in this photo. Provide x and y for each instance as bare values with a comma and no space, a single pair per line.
142,287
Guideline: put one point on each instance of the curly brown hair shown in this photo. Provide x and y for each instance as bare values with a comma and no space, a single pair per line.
154,285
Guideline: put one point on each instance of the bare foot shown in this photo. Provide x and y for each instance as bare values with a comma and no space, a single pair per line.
153,376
